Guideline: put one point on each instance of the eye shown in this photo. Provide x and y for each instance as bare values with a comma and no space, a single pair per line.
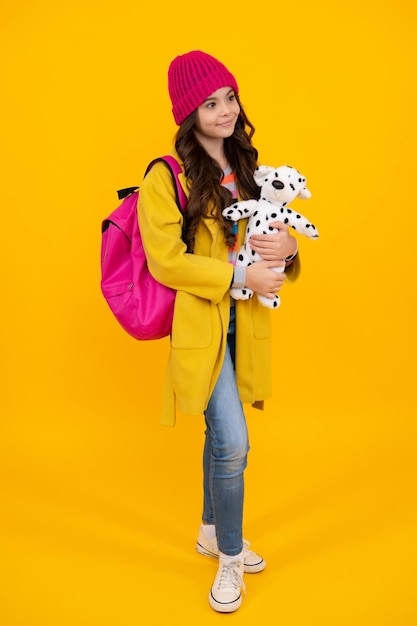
211,105
232,97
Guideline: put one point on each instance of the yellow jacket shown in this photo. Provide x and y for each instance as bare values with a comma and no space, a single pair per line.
202,304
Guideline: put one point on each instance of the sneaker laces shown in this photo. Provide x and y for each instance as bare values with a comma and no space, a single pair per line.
230,578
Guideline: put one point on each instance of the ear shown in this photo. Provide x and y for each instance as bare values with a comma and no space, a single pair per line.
304,194
261,173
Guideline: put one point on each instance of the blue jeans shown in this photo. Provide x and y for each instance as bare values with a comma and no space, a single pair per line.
225,455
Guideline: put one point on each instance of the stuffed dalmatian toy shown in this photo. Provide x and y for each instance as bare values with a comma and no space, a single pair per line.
278,188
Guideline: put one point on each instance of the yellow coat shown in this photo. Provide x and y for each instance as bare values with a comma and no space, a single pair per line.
202,305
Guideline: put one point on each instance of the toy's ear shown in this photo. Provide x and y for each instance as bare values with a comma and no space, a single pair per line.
261,173
304,193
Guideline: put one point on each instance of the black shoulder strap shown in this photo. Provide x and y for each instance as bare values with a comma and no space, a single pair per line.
175,169
123,193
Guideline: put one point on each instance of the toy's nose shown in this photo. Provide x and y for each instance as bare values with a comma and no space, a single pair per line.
278,184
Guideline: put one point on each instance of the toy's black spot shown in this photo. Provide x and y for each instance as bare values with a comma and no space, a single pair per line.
258,222
298,216
246,211
289,210
265,232
244,292
274,215
240,257
284,203
286,220
253,252
292,186
275,304
271,229
282,210
255,214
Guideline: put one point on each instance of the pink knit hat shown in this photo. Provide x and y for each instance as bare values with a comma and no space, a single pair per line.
193,77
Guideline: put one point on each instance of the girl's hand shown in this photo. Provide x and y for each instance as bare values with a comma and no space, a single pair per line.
276,246
263,280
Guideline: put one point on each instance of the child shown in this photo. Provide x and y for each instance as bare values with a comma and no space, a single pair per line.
220,349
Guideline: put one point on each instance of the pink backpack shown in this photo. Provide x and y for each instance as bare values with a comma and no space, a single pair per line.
142,306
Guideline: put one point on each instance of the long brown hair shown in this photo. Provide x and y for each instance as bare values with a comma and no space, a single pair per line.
207,196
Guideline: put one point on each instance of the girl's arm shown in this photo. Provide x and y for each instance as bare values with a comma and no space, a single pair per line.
278,246
261,279
161,228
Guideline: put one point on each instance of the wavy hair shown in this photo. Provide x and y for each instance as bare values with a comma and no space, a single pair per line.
204,175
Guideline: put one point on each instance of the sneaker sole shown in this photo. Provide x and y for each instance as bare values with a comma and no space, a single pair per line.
222,607
204,552
248,569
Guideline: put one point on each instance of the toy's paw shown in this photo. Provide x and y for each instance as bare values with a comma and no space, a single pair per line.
233,213
238,210
270,304
299,223
241,294
310,231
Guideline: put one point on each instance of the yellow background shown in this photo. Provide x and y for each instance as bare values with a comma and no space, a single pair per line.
100,505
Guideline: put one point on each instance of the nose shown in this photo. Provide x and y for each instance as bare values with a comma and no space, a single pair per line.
226,108
277,184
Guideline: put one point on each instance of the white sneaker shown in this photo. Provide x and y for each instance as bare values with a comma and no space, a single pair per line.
226,593
253,563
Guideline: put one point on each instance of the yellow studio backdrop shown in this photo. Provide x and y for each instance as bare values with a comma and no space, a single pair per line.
100,505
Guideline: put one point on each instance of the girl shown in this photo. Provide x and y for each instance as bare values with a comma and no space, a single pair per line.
220,349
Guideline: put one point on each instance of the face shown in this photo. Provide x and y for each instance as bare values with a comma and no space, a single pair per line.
217,116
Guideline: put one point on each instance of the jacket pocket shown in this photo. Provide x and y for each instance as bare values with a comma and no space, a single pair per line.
192,324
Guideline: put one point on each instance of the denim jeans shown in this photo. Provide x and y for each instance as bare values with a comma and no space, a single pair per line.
225,455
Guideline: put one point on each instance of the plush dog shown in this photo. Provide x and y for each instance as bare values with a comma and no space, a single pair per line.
278,188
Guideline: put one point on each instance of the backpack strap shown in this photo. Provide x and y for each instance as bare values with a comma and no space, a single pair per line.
175,169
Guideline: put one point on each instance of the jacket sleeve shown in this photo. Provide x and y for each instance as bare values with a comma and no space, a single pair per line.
160,224
292,271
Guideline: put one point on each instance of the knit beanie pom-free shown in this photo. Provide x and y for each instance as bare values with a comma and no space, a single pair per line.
192,78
